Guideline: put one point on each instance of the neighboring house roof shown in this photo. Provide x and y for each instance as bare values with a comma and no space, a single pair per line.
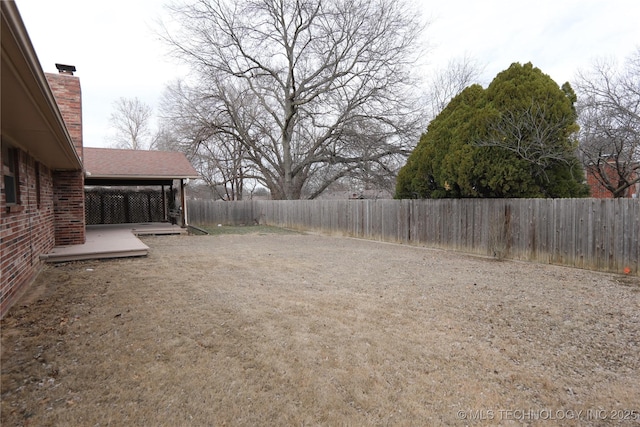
31,119
101,164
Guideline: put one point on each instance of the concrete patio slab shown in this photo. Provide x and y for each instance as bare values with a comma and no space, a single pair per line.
111,241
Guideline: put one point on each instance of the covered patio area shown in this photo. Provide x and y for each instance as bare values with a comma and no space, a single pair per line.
112,241
136,170
131,169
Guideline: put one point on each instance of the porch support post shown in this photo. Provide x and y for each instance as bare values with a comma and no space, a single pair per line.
183,202
165,215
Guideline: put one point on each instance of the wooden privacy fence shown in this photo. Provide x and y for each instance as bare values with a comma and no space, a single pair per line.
596,234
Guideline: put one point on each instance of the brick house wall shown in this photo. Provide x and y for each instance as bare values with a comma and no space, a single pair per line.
598,191
42,181
50,207
26,229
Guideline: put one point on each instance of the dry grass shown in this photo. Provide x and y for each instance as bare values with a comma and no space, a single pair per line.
311,330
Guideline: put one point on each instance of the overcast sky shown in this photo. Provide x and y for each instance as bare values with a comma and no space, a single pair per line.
117,54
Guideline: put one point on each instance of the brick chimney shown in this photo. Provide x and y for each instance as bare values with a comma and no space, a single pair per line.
68,186
66,91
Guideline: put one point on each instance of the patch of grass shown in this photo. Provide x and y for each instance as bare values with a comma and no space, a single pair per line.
245,229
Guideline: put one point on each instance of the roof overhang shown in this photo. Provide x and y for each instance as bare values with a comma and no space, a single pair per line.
117,167
31,119
109,181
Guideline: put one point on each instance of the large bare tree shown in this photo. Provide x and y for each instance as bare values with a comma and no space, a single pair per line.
313,90
131,121
609,117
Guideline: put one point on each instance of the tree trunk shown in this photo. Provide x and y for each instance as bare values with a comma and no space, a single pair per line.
287,160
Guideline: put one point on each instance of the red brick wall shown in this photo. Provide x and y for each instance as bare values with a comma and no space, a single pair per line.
600,192
68,201
597,190
56,217
66,91
26,230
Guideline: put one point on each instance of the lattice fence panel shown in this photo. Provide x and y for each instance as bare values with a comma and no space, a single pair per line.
115,206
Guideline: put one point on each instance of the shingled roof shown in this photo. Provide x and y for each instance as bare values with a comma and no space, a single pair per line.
108,163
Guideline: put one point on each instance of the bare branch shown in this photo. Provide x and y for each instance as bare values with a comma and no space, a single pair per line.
609,107
130,120
292,82
532,135
448,82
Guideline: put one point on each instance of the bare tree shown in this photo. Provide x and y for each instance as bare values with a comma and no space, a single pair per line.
190,126
130,120
449,81
609,108
313,91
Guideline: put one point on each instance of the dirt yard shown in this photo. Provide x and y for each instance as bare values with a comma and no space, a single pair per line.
293,329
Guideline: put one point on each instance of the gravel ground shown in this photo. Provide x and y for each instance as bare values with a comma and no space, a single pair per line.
294,329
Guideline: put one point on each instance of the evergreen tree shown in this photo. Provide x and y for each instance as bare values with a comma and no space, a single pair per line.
513,139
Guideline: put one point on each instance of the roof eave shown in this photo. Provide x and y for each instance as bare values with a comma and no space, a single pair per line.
20,59
141,177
